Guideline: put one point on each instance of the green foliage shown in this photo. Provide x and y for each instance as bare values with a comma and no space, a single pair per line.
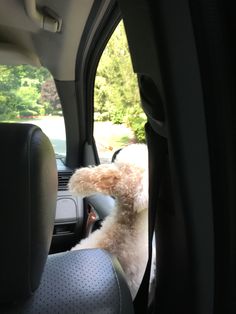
136,119
28,113
21,92
116,95
49,97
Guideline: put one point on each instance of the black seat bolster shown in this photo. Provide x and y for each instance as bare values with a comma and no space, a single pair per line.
85,281
28,202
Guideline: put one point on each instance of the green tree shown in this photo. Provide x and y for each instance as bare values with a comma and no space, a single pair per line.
116,95
8,98
28,105
49,97
20,91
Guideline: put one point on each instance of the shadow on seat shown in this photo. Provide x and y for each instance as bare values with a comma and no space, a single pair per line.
86,281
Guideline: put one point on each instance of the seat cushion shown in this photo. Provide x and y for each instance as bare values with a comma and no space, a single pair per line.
85,282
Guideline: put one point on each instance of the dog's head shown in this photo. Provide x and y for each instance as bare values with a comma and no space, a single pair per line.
135,158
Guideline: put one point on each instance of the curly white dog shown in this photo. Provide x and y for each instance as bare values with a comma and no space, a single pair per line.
124,233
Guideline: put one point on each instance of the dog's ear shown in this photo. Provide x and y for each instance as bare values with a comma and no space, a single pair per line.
91,180
106,180
141,198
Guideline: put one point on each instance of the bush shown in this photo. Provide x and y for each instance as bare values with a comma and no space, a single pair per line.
100,117
9,115
136,120
41,111
38,108
117,115
28,113
13,115
138,128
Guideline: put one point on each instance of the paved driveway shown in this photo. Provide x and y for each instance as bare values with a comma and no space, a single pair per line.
55,130
109,137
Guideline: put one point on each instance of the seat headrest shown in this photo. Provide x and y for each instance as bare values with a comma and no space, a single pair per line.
28,192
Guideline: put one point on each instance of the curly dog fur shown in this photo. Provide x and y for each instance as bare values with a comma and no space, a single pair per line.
124,232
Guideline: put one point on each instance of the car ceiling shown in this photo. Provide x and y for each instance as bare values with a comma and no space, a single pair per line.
23,41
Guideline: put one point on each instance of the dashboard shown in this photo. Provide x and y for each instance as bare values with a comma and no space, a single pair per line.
69,213
76,217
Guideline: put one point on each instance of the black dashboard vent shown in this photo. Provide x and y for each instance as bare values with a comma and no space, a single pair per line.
63,179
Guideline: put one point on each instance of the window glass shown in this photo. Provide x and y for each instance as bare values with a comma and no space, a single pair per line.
28,95
119,118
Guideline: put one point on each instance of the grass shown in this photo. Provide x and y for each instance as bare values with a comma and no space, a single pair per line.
120,141
112,135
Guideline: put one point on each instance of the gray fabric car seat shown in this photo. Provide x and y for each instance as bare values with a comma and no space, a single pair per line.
86,281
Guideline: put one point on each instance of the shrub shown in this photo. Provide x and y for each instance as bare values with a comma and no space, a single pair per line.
136,120
9,115
28,113
100,117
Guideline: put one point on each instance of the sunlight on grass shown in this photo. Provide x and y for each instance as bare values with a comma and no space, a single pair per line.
119,141
111,137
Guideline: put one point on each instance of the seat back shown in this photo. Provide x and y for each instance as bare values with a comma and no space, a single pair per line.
28,200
